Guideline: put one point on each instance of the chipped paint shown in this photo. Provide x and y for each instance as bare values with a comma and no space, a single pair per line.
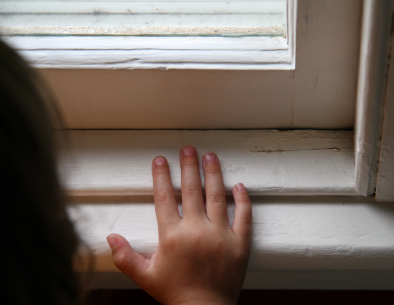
289,150
126,156
145,30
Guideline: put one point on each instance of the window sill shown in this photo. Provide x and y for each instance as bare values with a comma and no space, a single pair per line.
321,242
268,162
325,242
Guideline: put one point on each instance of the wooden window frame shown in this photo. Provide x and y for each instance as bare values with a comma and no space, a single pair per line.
313,242
112,51
319,93
352,175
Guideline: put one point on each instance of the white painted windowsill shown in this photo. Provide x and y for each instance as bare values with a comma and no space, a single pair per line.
324,242
310,242
268,162
314,242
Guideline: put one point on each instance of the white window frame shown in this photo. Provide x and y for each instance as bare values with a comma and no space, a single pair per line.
360,178
371,92
298,242
98,53
265,98
321,242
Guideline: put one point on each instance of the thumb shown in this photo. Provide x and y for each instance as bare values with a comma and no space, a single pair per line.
131,263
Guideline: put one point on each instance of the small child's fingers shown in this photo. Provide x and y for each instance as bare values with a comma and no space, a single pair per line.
214,189
131,263
165,204
242,225
192,199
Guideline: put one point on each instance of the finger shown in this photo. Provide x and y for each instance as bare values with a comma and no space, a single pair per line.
214,189
133,264
242,225
192,200
165,204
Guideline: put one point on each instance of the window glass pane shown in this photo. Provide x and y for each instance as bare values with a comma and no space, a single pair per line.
173,18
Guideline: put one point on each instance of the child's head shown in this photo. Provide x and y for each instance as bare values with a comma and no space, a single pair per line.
37,236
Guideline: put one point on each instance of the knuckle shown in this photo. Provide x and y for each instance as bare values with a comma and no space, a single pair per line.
216,197
190,190
190,161
161,169
245,209
162,197
212,168
120,261
246,219
244,198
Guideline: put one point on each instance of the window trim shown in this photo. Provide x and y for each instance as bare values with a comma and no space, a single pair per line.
114,52
220,53
325,78
367,126
313,242
371,89
268,162
384,191
370,101
358,255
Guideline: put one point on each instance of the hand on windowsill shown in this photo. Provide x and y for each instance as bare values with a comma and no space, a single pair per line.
200,258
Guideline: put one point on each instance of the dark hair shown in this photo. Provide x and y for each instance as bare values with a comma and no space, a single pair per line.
37,235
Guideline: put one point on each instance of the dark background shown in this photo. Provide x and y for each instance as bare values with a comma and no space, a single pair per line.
261,297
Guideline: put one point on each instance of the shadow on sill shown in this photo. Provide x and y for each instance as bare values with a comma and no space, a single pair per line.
257,297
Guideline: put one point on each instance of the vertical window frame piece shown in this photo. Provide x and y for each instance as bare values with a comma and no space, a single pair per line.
371,89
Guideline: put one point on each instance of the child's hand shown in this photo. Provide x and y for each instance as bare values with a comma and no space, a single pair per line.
200,258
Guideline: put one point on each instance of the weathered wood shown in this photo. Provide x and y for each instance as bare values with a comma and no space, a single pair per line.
152,43
315,239
372,80
319,93
297,162
385,176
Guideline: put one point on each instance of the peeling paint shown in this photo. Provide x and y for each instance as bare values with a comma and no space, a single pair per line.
144,30
118,162
288,150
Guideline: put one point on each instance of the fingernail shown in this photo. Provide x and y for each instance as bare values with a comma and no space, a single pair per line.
188,150
241,187
209,157
112,241
160,160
